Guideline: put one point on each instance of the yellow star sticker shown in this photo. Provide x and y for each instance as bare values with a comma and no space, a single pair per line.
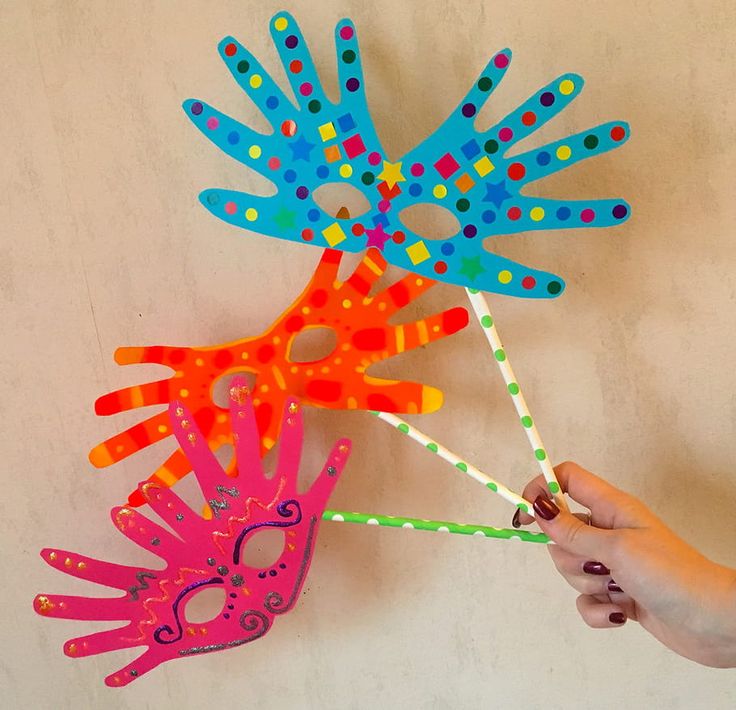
391,173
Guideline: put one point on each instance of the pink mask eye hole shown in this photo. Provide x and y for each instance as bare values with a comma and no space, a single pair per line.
206,605
312,344
341,200
263,548
430,221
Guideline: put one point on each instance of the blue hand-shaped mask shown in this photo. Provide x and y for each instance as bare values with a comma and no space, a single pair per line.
466,171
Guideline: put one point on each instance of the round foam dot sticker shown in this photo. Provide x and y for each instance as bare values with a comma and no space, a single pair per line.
439,191
254,152
346,170
536,213
563,152
256,80
251,214
504,276
566,87
281,24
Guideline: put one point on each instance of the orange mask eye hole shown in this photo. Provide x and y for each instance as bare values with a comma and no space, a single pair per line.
341,200
430,221
313,344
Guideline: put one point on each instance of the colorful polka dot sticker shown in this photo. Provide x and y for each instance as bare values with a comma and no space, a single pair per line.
466,170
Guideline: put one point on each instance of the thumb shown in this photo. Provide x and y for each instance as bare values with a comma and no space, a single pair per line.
571,533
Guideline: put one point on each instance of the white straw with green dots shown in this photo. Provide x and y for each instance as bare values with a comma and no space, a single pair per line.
455,460
483,314
395,521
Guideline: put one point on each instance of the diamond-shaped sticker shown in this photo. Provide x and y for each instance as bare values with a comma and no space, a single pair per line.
446,165
332,153
464,183
470,149
483,166
334,234
346,122
327,131
417,252
354,146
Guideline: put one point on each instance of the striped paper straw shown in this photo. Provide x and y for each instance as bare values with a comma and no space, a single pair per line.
460,464
483,314
391,521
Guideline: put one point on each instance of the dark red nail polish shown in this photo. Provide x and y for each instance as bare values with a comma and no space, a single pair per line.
515,520
591,567
617,617
613,587
545,508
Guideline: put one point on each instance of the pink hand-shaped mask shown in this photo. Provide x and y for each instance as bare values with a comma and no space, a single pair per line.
207,552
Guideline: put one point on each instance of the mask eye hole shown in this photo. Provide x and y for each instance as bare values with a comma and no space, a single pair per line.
205,606
263,548
430,221
341,200
313,344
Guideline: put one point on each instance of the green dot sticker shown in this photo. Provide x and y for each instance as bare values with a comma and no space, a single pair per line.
462,466
540,454
526,422
492,486
403,428
486,321
473,290
432,447
523,507
554,487
513,388
500,355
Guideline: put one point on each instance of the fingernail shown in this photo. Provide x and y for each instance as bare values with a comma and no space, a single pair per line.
591,567
617,617
515,520
613,587
545,508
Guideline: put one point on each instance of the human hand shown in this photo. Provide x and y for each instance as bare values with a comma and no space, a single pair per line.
627,564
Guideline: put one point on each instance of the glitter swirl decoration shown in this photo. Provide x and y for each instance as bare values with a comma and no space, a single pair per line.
206,551
469,172
339,380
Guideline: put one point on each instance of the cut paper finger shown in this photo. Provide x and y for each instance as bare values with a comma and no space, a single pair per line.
206,554
359,321
475,174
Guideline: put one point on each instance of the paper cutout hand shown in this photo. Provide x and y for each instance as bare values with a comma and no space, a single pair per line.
207,553
337,381
457,167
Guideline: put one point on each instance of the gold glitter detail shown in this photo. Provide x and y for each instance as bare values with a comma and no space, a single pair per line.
293,408
191,438
68,562
185,424
239,394
179,411
122,515
52,556
81,565
343,449
71,649
191,631
45,605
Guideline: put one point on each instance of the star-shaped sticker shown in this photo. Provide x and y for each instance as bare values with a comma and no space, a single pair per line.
391,173
285,218
471,267
377,237
301,148
496,193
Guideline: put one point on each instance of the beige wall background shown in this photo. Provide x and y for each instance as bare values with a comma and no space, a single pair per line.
630,372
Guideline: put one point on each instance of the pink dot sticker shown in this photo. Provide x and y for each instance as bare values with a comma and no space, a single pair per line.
501,61
417,169
212,123
587,216
231,207
384,205
505,134
274,163
346,32
305,89
374,158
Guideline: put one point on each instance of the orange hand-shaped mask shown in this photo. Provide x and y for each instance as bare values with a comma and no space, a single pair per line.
337,381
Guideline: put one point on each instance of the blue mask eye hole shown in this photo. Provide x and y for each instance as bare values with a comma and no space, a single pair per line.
205,605
430,221
336,197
